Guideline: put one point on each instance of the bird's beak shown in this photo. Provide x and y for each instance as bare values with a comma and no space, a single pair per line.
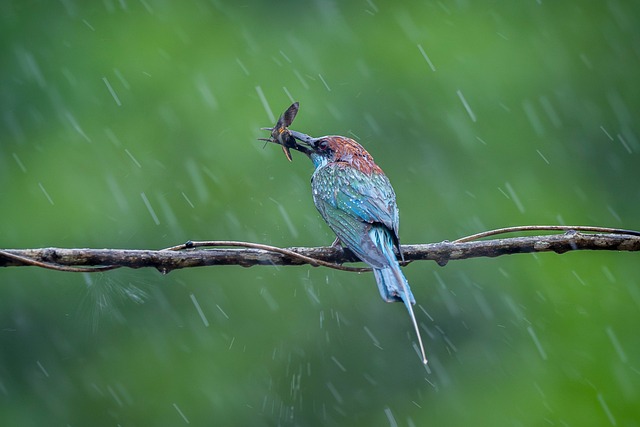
303,137
287,140
307,143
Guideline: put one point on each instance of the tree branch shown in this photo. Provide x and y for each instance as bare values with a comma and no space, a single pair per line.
250,254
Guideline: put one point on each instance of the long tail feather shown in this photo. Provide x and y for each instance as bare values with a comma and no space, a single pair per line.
406,291
392,284
393,287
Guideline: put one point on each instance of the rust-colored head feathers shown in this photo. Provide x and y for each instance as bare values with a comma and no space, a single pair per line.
341,149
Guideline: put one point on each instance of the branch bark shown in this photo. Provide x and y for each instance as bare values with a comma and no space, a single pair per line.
250,254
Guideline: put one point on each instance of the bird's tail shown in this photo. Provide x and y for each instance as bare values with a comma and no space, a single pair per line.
392,284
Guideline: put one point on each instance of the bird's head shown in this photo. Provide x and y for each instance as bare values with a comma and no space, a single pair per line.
322,150
330,149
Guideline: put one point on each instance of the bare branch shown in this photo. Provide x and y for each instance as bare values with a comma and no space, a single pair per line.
250,254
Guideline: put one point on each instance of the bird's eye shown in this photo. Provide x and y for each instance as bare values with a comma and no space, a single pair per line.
323,145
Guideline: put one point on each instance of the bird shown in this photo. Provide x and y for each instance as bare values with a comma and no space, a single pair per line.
356,199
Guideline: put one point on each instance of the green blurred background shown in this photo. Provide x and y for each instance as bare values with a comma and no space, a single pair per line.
133,124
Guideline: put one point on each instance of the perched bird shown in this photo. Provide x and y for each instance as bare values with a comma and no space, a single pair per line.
357,201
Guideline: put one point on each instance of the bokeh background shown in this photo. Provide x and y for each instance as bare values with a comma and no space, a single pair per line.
133,124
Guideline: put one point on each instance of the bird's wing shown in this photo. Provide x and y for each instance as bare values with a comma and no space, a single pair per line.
351,202
370,198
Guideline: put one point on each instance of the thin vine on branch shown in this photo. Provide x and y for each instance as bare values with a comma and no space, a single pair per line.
192,254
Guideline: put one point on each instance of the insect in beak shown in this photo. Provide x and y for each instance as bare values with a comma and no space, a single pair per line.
280,133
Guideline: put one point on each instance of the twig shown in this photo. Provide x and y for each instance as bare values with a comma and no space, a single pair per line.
520,228
290,253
